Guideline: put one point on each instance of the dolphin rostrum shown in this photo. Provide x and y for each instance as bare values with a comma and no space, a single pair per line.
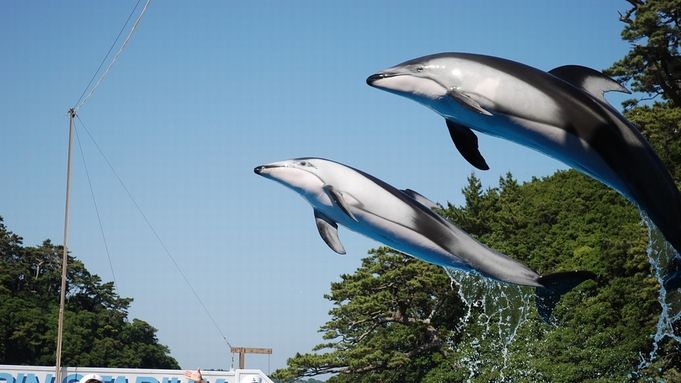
403,220
561,113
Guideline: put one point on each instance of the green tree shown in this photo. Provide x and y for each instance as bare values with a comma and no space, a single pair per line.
563,222
392,322
653,68
653,65
96,328
660,123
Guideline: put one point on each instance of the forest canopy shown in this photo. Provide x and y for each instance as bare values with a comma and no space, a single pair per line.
401,319
97,331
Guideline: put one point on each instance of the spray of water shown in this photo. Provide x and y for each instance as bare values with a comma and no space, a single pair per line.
660,255
499,308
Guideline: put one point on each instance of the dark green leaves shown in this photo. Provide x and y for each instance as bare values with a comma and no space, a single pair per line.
97,331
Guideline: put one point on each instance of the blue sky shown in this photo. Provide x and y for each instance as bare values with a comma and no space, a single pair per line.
206,91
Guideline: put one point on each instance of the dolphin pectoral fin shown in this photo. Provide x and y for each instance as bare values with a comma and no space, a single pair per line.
337,197
416,196
591,81
466,101
328,229
467,143
555,285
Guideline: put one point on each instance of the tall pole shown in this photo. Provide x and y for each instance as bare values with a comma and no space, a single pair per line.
60,329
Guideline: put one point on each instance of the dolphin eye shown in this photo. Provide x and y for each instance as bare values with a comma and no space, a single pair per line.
419,69
305,164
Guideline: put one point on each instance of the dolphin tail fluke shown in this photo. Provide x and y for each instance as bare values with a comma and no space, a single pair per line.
555,285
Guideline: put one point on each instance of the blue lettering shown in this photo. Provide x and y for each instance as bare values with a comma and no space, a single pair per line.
71,378
7,377
121,379
31,378
49,378
171,380
146,379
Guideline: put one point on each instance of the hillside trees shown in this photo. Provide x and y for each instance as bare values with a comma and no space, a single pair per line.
392,321
569,221
96,327
563,222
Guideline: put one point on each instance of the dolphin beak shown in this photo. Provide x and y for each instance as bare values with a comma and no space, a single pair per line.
379,76
263,168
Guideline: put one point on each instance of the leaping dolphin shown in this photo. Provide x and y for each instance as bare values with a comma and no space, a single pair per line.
403,220
561,113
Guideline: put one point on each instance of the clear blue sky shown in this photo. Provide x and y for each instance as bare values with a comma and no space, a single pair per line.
206,91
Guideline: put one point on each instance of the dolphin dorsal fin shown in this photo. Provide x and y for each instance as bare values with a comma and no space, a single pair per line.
337,197
467,102
467,143
328,229
589,80
418,197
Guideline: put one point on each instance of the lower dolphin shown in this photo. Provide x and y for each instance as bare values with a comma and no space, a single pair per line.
403,220
561,113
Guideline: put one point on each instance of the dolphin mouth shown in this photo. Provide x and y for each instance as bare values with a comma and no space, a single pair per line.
263,168
407,84
379,76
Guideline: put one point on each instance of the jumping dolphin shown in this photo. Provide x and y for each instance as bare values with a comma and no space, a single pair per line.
403,220
561,113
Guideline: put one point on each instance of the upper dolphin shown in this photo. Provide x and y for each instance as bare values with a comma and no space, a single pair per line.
561,113
404,221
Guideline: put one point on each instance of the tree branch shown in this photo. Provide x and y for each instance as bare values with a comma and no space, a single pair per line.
626,18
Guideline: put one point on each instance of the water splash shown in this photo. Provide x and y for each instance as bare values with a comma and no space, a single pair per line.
660,256
499,308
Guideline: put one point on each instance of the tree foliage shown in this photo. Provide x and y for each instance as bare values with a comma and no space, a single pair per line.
96,328
564,222
653,68
653,65
392,319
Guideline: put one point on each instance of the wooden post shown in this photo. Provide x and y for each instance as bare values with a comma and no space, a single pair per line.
65,256
248,350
